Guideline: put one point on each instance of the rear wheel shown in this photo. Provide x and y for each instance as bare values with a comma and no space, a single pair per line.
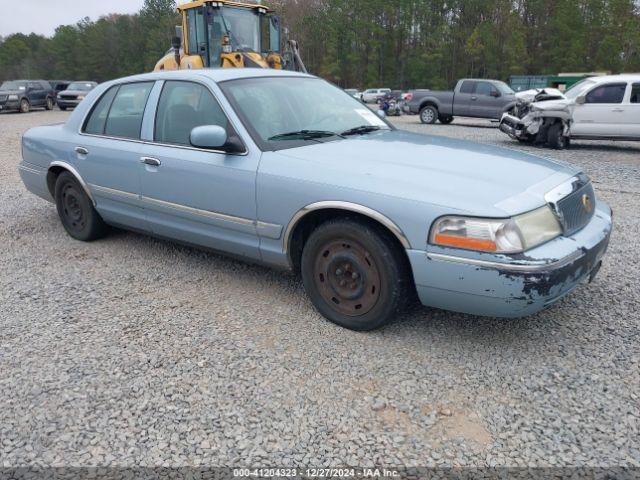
446,119
355,275
76,211
24,106
49,104
428,114
556,138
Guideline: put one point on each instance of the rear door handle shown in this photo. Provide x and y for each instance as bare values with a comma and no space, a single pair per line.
618,110
81,151
474,98
154,162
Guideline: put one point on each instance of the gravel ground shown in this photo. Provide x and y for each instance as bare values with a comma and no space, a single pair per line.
132,350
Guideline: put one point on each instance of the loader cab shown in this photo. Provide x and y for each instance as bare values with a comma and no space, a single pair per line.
226,35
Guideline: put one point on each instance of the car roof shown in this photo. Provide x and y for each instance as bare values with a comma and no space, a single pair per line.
215,74
625,77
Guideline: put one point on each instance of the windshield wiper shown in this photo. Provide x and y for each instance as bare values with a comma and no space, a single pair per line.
362,129
305,135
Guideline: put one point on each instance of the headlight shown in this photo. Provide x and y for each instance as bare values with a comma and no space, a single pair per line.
505,235
12,97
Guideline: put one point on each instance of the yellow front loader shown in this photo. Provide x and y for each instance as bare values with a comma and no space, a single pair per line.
229,34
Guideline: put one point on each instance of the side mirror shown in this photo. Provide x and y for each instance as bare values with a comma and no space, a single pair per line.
176,42
581,99
495,94
208,136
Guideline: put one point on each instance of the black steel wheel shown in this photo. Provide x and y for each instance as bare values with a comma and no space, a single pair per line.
445,119
76,211
24,106
556,138
354,273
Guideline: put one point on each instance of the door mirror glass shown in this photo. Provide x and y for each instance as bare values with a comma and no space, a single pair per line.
581,99
495,93
208,136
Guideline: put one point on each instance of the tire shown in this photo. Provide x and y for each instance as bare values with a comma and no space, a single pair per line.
355,274
48,104
428,115
75,209
25,107
555,137
62,108
445,119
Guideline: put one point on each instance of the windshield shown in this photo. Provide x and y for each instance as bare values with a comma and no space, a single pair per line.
243,27
275,107
579,88
83,86
14,86
504,88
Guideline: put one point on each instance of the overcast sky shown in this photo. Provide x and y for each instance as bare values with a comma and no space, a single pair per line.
43,16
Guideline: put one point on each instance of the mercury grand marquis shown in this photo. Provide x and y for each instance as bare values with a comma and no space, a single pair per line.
287,170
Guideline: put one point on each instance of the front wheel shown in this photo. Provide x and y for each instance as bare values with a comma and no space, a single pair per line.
556,138
24,106
49,104
354,273
76,211
446,119
428,115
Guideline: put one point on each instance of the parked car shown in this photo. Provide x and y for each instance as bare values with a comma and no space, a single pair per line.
74,94
372,95
23,95
59,85
470,98
285,169
353,92
606,107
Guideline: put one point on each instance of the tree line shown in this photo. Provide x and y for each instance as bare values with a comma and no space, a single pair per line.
360,43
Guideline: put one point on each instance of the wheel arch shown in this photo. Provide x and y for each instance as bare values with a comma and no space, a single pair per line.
429,102
307,218
56,168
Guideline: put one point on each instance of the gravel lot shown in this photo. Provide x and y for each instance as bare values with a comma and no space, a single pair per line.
133,350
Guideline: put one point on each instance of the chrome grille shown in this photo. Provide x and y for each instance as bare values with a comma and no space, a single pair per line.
68,97
573,203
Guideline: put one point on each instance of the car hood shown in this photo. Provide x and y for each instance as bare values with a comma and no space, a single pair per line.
470,177
73,92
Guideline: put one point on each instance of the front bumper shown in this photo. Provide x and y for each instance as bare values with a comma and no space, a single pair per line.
511,286
10,105
514,126
67,103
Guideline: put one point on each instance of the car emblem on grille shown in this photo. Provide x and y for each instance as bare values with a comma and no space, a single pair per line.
586,203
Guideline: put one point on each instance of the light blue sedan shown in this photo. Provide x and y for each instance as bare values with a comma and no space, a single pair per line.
287,170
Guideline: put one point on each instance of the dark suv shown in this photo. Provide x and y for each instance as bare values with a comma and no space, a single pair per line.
23,95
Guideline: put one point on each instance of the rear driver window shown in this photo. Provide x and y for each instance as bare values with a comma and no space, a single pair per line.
96,121
467,87
125,115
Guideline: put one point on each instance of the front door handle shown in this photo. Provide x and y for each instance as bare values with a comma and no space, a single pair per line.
474,98
154,162
617,110
81,151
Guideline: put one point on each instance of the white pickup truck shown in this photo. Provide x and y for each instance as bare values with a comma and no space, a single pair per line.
606,108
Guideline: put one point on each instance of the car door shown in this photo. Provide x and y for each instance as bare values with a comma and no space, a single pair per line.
485,101
107,153
200,196
36,94
462,98
601,112
630,114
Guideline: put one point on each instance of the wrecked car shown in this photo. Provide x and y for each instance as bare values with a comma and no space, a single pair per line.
606,107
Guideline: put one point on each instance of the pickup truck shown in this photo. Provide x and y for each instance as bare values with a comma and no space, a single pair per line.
471,98
597,108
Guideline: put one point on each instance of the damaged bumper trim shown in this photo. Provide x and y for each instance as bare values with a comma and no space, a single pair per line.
514,267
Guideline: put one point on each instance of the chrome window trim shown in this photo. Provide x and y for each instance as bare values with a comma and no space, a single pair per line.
76,174
155,107
347,206
513,267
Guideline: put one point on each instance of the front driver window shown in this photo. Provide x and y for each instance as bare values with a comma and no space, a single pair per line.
182,107
613,93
